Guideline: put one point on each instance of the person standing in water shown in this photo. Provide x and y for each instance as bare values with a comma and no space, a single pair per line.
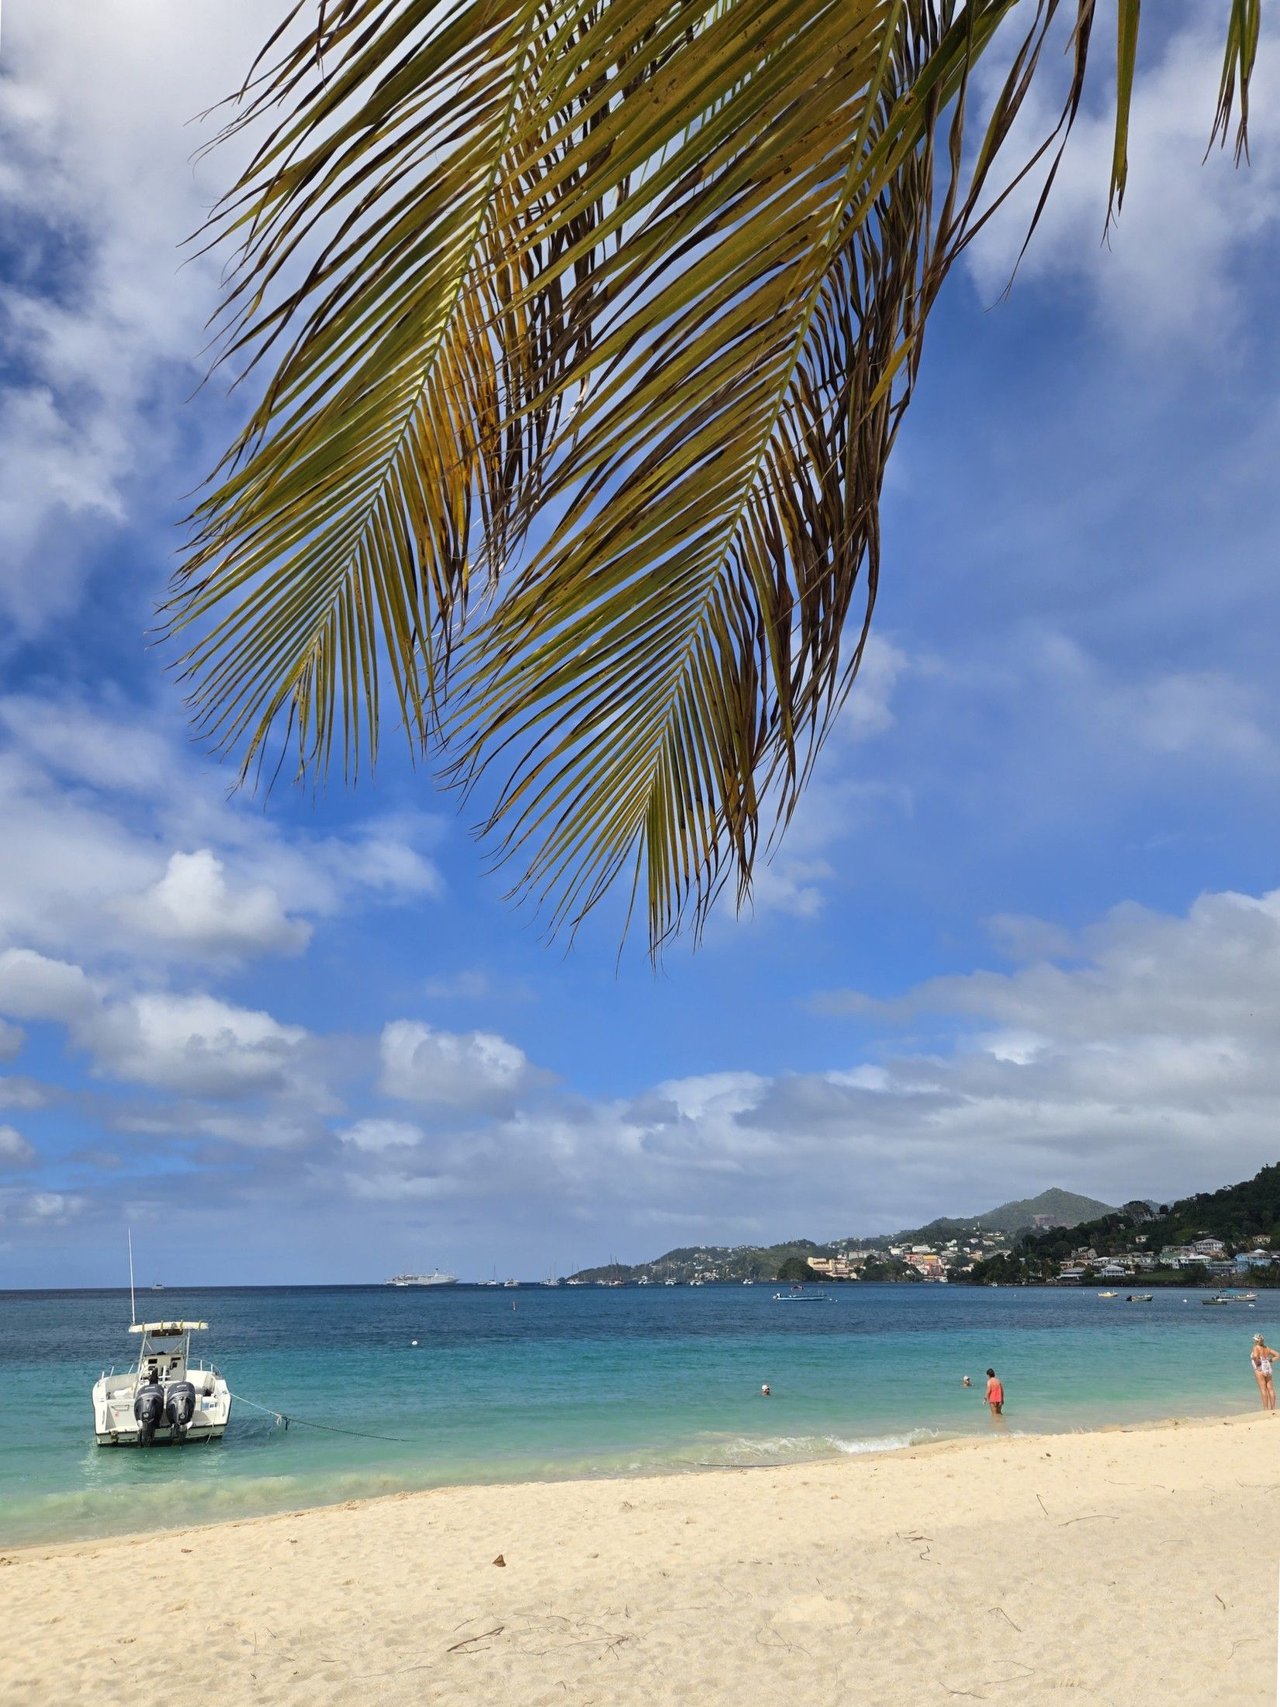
995,1393
1262,1357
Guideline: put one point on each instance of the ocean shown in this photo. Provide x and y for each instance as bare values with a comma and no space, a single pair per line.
541,1383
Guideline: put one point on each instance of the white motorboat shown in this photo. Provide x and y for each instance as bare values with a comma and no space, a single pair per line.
437,1277
167,1398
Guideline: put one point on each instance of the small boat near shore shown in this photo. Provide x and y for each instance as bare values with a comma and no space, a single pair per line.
798,1295
166,1399
1231,1298
1138,1297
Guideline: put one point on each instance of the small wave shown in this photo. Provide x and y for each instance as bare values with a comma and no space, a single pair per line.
888,1442
798,1449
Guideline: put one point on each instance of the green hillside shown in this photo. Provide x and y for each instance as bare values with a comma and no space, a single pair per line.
1240,1215
1237,1214
1067,1208
706,1262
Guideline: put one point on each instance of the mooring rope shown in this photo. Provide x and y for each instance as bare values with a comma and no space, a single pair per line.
306,1422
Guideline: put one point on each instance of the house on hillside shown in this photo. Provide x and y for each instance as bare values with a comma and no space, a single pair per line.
926,1263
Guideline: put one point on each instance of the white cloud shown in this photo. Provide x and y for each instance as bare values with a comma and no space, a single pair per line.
377,1136
42,1208
34,987
18,1092
868,710
192,906
1200,715
1142,1058
194,1044
105,747
383,859
1170,272
465,1069
1142,1061
98,191
118,841
14,1149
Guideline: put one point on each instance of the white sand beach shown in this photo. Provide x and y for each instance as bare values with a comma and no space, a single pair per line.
1120,1568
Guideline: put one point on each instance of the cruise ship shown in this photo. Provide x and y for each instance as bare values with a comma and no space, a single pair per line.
435,1278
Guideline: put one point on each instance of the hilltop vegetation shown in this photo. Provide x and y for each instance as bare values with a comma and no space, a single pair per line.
1065,1207
766,1262
1240,1215
709,1262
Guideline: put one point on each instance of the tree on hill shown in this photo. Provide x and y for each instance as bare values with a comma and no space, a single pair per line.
608,311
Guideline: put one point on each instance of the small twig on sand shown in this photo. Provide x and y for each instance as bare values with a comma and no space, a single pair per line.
1043,1507
1222,1603
1006,1617
1091,1517
466,1641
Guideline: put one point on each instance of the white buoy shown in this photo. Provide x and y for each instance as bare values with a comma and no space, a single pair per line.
413,1342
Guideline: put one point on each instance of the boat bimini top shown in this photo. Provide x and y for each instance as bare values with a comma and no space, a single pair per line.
166,1330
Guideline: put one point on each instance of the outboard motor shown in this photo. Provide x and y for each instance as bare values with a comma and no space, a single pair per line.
180,1407
148,1410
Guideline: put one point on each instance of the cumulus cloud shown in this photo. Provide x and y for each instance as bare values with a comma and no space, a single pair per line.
34,987
191,1043
196,1044
464,1069
14,1149
151,859
193,906
377,1136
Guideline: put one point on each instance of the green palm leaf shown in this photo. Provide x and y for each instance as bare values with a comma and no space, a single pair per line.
611,307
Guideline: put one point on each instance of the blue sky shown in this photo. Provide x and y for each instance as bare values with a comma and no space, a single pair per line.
1025,929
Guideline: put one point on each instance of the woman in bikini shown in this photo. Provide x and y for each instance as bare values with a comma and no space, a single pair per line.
1262,1357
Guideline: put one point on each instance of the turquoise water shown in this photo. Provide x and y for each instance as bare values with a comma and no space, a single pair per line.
573,1382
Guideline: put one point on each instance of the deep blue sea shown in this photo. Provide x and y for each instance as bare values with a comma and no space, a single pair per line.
574,1381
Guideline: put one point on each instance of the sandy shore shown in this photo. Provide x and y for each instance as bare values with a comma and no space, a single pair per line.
1130,1568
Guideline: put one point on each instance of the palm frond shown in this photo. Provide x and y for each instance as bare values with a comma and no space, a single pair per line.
612,307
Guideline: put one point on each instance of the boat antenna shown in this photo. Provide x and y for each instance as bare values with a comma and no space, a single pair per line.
133,1308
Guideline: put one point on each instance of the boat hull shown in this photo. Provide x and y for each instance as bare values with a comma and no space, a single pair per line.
164,1436
114,1423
